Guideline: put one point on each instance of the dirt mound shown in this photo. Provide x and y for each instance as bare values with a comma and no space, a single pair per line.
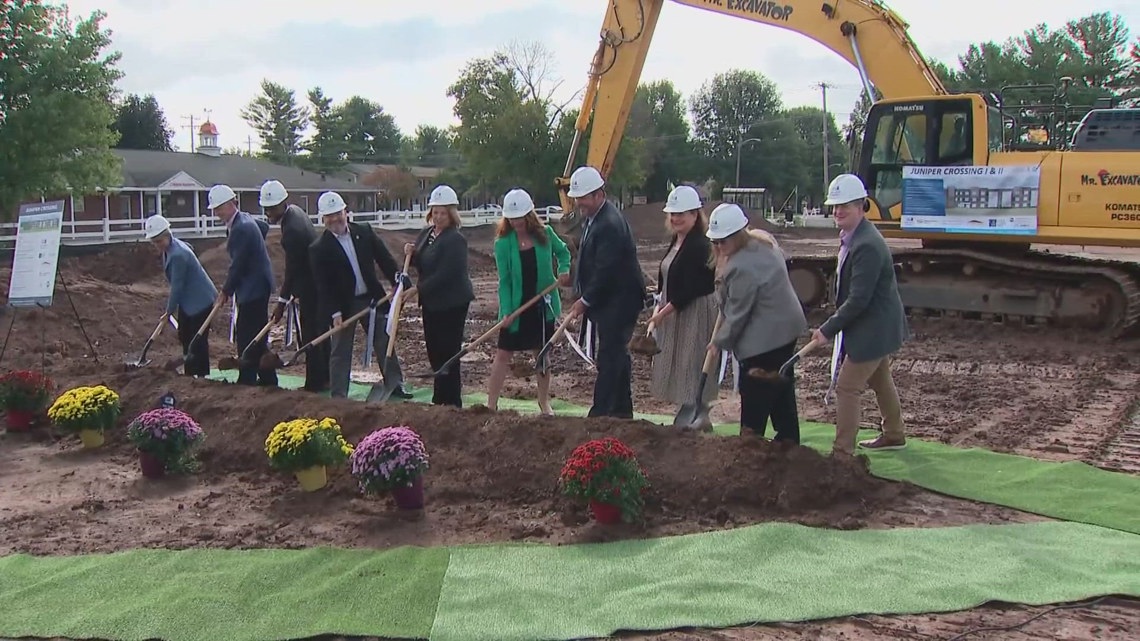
493,477
648,221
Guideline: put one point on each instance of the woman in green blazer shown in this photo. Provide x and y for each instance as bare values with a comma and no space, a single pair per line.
525,254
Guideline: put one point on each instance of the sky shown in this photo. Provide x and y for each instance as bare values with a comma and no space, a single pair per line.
212,54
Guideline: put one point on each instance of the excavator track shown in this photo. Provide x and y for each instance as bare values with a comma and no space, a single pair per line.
1030,287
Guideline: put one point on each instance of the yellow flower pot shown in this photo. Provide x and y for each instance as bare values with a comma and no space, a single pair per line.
313,478
91,438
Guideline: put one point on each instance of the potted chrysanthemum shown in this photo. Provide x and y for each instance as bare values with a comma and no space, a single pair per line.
605,472
24,395
86,411
307,447
392,459
166,439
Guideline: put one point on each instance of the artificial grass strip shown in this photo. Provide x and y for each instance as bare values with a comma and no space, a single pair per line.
773,572
237,595
1072,491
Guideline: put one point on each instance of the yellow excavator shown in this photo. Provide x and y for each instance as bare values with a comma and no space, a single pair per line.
1089,192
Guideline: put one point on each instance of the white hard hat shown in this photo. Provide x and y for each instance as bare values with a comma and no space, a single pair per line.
443,195
583,181
844,189
517,203
681,199
273,193
726,220
330,202
154,226
219,195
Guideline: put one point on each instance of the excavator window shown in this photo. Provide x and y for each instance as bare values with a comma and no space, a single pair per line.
930,133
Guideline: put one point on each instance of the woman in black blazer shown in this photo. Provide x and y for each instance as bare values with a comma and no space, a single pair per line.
686,309
444,290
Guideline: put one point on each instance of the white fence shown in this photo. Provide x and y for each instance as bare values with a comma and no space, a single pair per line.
99,232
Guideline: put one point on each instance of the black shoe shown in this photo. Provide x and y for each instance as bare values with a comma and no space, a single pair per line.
400,392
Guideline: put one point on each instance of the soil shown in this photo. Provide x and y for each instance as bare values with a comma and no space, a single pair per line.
1043,393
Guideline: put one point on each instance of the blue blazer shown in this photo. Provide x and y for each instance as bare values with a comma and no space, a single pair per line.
191,289
251,275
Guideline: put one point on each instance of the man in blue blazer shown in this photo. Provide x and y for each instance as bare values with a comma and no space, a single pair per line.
249,281
192,294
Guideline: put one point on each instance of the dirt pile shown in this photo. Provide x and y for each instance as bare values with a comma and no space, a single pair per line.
493,476
648,222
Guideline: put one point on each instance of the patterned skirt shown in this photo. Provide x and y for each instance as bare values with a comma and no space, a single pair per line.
682,338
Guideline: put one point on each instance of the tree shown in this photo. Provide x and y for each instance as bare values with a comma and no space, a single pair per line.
809,124
397,186
141,124
370,134
857,124
326,147
56,104
657,118
431,147
278,120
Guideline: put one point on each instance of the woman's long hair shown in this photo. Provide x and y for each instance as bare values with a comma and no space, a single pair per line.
535,227
739,241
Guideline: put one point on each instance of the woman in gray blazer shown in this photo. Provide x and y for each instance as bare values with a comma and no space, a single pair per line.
762,320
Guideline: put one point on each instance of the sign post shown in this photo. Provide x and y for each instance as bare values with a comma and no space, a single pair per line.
971,199
36,259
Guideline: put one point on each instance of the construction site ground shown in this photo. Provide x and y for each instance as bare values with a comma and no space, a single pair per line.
1039,392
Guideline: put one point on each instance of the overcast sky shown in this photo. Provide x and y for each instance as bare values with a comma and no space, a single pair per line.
212,54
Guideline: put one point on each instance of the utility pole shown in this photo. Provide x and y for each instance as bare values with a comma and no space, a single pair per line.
249,144
192,130
823,86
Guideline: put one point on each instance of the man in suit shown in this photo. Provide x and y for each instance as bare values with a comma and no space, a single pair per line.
869,323
611,290
297,233
192,293
249,281
344,260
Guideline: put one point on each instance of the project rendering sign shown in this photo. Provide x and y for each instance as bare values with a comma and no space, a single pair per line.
36,257
972,200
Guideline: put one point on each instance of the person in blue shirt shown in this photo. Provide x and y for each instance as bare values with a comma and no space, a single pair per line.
192,293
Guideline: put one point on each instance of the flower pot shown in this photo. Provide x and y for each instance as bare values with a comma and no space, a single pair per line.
605,513
410,498
91,438
152,466
313,478
20,420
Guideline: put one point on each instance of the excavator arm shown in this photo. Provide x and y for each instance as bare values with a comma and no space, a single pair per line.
870,36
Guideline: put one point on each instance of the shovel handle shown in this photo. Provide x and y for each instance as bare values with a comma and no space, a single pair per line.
510,318
345,323
158,328
807,349
263,332
711,356
398,305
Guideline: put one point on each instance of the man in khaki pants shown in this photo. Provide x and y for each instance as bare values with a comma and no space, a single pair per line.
869,323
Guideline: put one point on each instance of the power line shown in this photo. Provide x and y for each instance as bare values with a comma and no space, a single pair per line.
823,87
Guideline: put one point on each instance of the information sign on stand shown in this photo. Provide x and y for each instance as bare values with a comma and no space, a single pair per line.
971,199
36,258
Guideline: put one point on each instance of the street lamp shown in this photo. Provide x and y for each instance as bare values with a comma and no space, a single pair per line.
739,145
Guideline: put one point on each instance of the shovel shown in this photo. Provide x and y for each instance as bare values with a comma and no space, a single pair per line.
229,362
785,372
507,320
540,364
645,345
398,308
141,360
175,363
270,360
694,415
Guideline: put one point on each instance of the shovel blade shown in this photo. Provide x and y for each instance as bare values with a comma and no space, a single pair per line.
270,360
228,363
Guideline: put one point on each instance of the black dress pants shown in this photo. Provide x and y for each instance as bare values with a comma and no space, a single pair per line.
443,337
252,317
313,324
761,398
198,360
613,393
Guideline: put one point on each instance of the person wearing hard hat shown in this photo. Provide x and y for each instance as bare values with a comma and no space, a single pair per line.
297,234
610,289
525,252
444,290
686,308
869,323
249,281
762,318
192,293
344,259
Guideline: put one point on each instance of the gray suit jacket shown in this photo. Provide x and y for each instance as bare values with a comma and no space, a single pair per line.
760,307
190,287
250,276
869,310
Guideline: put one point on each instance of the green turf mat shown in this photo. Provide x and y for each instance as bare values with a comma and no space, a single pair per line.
773,572
1072,491
207,595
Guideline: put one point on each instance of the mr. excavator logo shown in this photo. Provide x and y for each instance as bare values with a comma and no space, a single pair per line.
1105,178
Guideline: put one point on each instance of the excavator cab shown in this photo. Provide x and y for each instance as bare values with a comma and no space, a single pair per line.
938,131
